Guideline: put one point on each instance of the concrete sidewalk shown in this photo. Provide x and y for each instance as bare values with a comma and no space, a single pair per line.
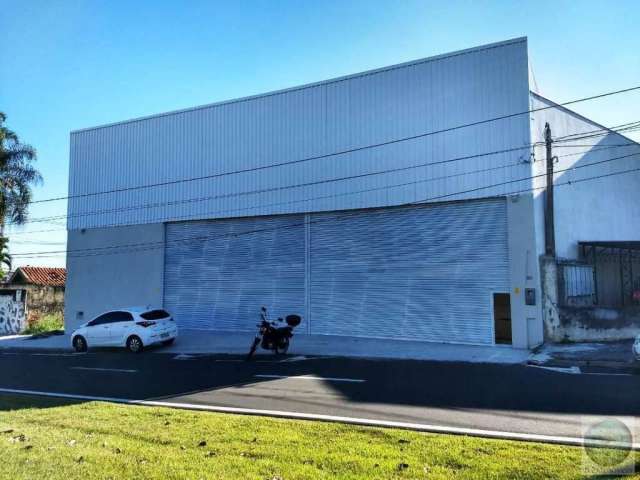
207,342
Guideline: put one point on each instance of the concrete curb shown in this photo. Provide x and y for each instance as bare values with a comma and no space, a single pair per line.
27,349
439,429
562,363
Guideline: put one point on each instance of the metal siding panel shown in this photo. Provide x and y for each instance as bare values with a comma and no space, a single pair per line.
361,110
219,273
419,273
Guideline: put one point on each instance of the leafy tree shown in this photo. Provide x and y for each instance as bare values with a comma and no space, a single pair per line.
5,257
17,175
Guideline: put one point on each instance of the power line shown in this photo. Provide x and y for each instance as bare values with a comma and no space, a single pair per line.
29,232
596,147
159,204
334,195
280,188
595,134
35,242
141,246
617,129
323,197
307,184
470,172
338,153
163,244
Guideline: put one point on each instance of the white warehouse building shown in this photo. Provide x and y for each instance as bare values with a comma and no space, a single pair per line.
405,202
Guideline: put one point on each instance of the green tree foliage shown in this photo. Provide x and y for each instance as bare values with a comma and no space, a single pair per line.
5,257
17,176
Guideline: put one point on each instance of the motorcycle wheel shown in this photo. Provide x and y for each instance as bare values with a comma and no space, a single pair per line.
283,347
253,348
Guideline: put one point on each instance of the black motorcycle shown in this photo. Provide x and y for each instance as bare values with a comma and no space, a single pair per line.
274,335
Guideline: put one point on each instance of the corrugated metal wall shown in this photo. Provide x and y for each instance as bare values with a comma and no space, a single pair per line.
420,273
342,114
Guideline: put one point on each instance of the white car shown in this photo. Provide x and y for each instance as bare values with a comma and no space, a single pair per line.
133,328
636,348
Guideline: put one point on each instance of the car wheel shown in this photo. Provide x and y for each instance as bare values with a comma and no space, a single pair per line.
79,344
166,343
134,344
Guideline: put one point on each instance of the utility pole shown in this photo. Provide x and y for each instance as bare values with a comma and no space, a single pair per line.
549,229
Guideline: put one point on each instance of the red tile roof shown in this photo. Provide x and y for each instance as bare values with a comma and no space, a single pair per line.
54,277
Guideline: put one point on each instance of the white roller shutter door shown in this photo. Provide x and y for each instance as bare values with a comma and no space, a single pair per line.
418,273
219,273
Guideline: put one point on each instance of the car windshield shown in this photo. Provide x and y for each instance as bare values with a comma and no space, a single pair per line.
155,315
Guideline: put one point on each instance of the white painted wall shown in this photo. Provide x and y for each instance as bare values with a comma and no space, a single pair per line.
100,279
524,271
369,108
601,209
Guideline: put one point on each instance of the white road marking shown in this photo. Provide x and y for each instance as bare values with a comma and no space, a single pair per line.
474,432
31,354
577,371
299,358
120,370
52,354
184,356
313,377
570,370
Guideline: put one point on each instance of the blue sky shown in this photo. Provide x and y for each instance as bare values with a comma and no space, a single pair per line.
74,64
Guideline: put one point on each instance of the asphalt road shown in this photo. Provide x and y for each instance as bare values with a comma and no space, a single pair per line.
511,398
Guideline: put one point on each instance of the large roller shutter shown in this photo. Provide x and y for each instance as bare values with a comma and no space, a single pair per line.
423,273
219,273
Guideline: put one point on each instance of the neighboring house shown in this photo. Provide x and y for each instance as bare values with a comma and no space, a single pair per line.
36,291
382,204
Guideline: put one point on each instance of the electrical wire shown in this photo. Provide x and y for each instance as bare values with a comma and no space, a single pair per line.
153,245
591,148
631,126
342,152
286,187
622,127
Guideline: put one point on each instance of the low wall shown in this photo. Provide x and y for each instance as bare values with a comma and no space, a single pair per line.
575,323
583,324
44,300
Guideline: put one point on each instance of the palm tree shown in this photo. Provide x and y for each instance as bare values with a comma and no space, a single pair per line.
17,175
5,257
